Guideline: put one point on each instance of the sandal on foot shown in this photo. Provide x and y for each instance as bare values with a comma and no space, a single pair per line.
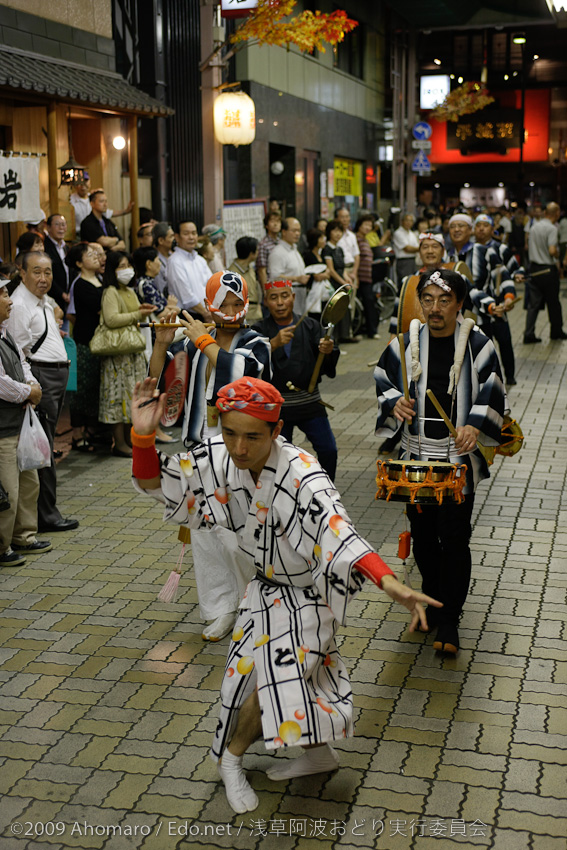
83,445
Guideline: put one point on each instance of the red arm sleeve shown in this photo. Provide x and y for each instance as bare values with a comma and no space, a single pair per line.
373,567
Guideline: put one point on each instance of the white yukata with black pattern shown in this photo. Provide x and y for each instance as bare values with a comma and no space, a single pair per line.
293,528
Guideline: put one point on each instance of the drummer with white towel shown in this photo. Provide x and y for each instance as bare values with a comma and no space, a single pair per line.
451,357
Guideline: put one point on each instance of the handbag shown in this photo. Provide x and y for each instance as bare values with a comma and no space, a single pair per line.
34,451
111,342
71,349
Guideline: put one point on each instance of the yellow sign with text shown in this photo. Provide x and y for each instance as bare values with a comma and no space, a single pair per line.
348,177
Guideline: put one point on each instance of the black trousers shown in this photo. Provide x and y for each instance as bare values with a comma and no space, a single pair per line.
544,289
53,383
441,536
366,295
499,330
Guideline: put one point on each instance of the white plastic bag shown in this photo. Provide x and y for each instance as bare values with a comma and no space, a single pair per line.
34,451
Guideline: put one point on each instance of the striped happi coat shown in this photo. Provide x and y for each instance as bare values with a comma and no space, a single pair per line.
486,263
295,531
480,399
249,356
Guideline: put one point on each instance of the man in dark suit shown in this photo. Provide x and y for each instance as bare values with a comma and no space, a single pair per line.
56,249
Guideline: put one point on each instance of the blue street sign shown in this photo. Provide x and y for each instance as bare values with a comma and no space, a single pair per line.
421,163
422,130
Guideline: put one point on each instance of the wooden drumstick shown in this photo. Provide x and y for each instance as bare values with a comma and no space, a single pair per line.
486,451
434,401
403,362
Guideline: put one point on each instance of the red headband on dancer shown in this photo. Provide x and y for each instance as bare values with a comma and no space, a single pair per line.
218,287
252,396
278,284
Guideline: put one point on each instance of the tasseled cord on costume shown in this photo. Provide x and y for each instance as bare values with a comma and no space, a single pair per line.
168,593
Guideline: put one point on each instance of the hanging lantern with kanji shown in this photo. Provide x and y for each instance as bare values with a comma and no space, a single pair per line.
234,119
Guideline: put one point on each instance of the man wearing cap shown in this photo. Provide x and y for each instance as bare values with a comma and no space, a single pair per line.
216,236
451,357
216,357
33,326
285,680
18,389
499,283
295,349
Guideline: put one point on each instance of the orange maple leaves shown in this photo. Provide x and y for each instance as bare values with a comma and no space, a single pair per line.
308,31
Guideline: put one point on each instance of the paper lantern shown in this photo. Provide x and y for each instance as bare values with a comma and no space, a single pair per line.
235,119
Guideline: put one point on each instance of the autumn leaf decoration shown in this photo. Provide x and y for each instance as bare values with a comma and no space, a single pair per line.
308,31
466,98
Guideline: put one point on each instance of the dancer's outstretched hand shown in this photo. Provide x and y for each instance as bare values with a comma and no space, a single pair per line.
410,599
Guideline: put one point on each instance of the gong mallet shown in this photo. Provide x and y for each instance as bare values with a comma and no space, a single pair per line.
486,451
336,307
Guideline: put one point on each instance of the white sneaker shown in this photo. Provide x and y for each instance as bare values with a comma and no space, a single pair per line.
219,627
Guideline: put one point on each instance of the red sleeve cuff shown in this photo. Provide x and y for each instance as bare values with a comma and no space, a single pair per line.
145,463
373,567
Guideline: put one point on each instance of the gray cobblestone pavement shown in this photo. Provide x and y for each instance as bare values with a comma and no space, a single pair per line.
108,698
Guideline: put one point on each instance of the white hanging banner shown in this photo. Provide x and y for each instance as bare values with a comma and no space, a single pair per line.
19,189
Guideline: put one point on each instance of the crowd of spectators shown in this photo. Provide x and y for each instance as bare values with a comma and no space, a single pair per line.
72,289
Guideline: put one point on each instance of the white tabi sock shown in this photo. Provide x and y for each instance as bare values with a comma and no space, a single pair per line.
315,760
219,627
239,793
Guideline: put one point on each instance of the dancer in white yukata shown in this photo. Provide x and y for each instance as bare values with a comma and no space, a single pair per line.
284,679
216,357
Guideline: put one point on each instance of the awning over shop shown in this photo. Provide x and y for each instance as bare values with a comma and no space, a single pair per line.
25,72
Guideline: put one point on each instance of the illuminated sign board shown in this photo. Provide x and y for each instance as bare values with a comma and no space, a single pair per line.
237,8
433,90
348,177
488,130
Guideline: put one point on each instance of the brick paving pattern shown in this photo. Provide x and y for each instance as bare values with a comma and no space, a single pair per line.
108,698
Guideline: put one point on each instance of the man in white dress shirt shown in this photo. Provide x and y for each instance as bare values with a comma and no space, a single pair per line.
351,252
33,326
406,248
349,243
18,388
188,272
286,263
79,199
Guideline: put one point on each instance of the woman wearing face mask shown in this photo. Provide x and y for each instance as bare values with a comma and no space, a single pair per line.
119,374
